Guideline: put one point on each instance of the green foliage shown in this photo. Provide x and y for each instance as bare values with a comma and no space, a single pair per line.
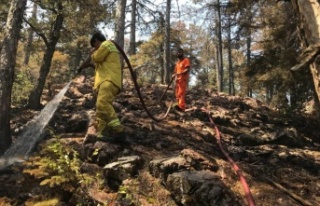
4,8
50,202
58,167
268,74
122,189
80,23
149,56
125,198
21,86
59,71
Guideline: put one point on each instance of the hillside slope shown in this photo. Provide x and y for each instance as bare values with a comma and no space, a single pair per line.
178,161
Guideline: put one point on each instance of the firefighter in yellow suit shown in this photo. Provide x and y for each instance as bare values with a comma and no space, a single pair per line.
107,85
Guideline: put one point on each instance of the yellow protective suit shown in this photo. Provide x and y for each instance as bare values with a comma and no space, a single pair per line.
107,84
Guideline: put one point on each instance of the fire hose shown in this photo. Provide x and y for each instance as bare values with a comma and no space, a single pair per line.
235,167
136,85
165,91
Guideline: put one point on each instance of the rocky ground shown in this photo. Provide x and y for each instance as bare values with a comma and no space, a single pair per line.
178,160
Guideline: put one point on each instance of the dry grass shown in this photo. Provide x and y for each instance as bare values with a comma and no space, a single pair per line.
148,191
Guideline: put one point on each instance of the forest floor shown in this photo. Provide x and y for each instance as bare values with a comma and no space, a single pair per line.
278,155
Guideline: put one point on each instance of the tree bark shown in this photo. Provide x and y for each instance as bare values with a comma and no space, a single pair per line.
309,11
248,58
8,53
132,48
35,96
220,60
166,56
231,75
248,48
30,37
120,22
163,70
120,27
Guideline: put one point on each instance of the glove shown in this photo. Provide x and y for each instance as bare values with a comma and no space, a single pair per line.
79,70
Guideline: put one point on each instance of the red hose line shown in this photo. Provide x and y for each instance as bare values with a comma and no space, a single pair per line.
235,167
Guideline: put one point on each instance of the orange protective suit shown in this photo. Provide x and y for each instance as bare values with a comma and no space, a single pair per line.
182,81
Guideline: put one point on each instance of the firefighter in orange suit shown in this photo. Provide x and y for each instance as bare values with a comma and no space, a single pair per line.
107,85
181,73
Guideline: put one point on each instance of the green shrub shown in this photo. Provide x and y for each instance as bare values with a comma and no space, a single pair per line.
58,168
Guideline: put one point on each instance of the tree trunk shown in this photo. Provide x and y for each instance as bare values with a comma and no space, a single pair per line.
120,27
35,96
8,53
248,58
248,33
30,37
220,68
231,76
120,24
132,49
217,64
167,44
309,12
163,70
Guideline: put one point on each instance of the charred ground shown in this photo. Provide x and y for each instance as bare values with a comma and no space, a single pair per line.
177,161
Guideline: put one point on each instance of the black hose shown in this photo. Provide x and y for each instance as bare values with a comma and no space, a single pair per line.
137,86
165,91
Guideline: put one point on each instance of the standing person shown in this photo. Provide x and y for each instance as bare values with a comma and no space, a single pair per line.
107,85
181,73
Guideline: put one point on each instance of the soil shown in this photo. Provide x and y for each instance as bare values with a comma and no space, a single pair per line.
278,155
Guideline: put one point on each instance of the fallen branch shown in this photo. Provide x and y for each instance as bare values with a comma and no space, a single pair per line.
291,194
